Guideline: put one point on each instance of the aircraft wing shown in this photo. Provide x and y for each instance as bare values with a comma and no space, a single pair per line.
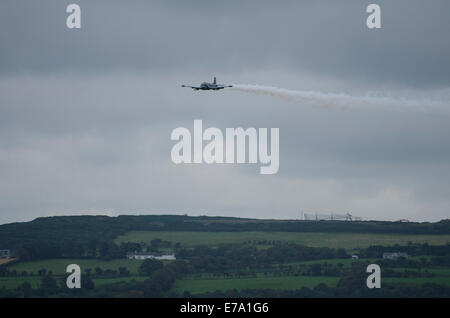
193,87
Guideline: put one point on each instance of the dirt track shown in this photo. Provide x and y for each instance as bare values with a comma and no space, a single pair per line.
6,260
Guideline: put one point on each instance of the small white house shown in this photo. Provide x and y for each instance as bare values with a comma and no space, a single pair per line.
395,255
141,256
5,253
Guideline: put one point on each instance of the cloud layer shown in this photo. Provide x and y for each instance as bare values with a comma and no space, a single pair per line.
86,115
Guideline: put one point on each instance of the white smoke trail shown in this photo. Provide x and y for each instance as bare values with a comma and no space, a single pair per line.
345,101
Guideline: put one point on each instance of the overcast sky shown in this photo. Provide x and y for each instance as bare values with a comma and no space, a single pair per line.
86,115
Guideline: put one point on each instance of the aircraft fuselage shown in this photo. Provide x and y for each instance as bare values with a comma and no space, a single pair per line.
208,86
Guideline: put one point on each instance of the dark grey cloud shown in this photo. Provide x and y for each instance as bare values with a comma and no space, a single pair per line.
160,36
86,115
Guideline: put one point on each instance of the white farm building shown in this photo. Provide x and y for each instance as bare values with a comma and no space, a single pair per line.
395,255
137,255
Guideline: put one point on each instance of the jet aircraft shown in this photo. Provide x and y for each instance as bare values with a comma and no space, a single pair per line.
208,86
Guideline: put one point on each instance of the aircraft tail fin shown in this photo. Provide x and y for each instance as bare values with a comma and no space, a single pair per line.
215,82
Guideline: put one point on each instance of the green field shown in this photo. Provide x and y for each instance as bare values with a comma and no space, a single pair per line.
58,266
35,282
417,280
14,282
196,286
107,281
314,239
346,262
199,285
206,282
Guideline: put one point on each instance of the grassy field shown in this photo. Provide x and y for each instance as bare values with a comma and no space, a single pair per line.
35,282
417,280
58,266
107,281
206,282
14,282
314,239
196,286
